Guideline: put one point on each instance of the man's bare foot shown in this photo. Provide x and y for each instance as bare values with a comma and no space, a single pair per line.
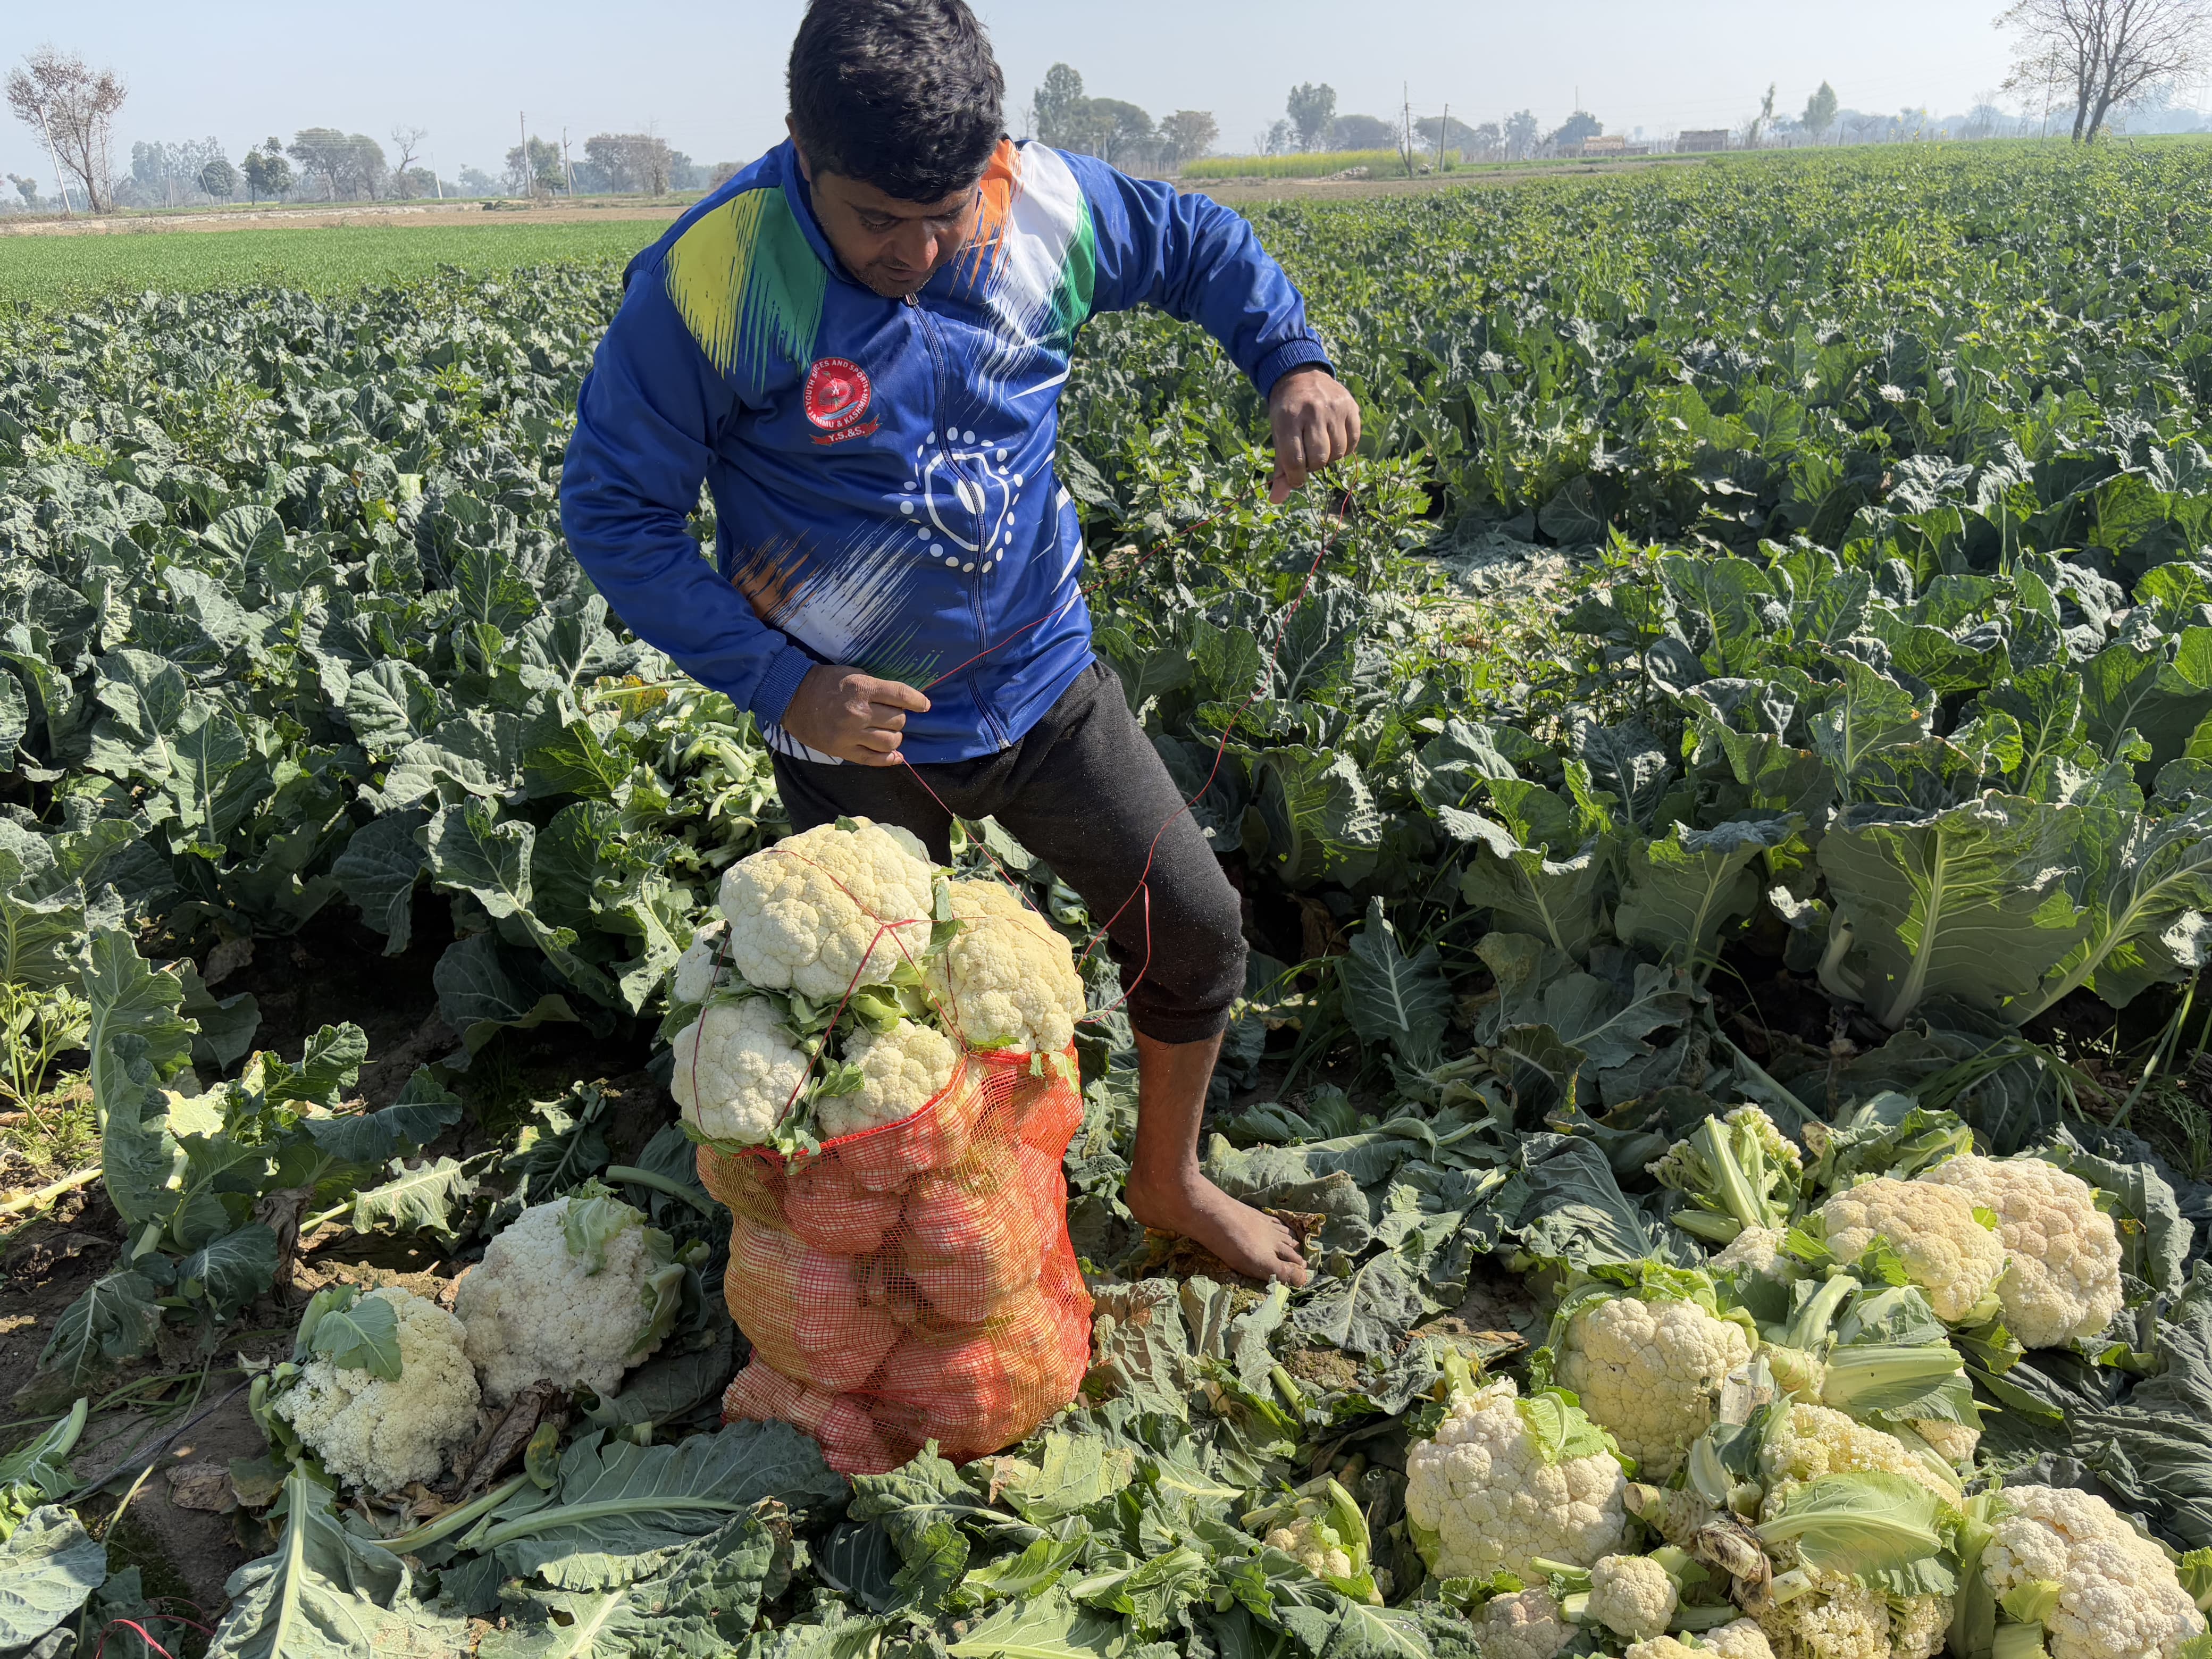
1188,1204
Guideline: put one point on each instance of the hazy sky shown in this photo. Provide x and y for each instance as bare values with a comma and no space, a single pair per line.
709,77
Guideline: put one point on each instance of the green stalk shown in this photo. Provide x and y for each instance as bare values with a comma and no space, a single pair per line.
568,1515
629,1175
453,1520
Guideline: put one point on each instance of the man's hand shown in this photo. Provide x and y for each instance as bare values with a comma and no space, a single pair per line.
1315,422
851,714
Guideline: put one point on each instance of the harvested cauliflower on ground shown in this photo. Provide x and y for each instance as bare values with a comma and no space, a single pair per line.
737,1068
1507,1479
1524,1625
575,1290
2065,1279
1008,980
380,1433
1945,1249
1816,1440
820,913
1632,1597
1649,1372
1743,1640
2103,1590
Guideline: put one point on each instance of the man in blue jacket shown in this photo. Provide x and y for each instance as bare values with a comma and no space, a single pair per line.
857,345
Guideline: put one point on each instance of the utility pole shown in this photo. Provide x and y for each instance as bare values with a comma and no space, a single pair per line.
55,156
1442,128
529,172
567,173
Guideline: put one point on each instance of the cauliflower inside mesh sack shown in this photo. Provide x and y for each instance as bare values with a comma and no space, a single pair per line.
384,1433
901,1070
2065,1279
704,966
574,1291
1945,1249
1649,1372
1008,979
736,1069
828,909
2102,1590
1507,1479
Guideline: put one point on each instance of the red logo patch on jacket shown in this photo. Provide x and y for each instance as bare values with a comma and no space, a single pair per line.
837,394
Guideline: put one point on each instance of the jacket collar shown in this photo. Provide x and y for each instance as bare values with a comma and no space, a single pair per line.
801,200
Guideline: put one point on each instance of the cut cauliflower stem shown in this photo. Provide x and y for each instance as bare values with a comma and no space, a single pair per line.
904,1068
1632,1597
1493,1490
1526,1626
1743,1640
809,913
2109,1593
1945,1249
383,1435
572,1292
703,967
736,1069
1007,981
2064,1280
1649,1372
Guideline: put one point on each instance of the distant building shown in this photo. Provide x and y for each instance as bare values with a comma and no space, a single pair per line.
1605,143
1702,139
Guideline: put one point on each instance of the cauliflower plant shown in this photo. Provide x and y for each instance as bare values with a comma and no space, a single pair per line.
2064,1280
1008,980
1313,1546
737,1068
2099,1588
809,913
383,1434
1945,1249
1507,1479
574,1291
904,1068
1742,1639
1527,1625
1632,1597
1648,1371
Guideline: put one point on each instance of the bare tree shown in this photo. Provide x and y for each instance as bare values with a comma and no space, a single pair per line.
408,141
2103,54
72,106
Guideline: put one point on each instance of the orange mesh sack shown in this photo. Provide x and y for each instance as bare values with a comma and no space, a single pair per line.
879,1068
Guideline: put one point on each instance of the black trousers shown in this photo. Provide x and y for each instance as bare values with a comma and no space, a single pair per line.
1085,791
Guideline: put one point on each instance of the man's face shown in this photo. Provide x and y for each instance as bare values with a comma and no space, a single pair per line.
893,245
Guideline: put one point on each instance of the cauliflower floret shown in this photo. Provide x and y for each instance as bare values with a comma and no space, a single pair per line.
569,1298
809,913
1954,1443
1649,1372
1313,1546
383,1435
703,965
1840,1618
1485,1497
1818,1440
1523,1627
1753,1250
1007,981
2118,1596
1742,1639
734,1080
1632,1597
2064,1280
905,1067
1946,1251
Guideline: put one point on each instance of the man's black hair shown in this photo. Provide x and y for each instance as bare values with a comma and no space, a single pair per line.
903,94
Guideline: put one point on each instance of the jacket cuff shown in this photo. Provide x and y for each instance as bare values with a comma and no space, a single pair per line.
1291,354
780,685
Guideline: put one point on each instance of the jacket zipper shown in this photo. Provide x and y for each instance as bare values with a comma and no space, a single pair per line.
963,484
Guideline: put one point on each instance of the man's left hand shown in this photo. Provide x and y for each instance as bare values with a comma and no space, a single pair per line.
1316,423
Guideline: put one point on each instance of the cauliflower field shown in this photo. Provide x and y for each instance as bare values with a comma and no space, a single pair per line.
1727,838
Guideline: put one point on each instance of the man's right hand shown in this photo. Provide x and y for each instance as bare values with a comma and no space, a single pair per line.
850,714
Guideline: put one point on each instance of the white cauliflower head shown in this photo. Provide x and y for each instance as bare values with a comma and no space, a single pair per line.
2116,1593
1649,1372
703,966
382,1435
2064,1280
1501,1485
1743,1640
1753,1250
1954,1443
1816,1440
1840,1618
1008,980
810,913
1945,1249
904,1069
574,1291
1632,1597
1527,1625
1313,1546
737,1068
